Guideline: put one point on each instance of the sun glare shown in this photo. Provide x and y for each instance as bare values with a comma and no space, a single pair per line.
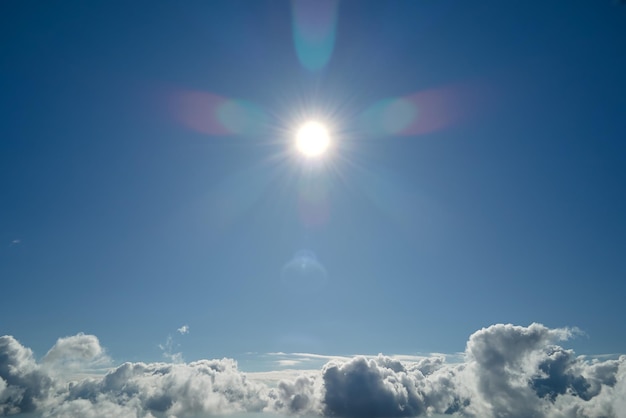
312,139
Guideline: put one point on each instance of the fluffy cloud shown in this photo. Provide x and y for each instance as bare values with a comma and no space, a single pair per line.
506,371
78,352
208,387
372,388
518,371
502,362
301,396
22,383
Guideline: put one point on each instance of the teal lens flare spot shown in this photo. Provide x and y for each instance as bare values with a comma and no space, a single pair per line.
240,117
314,27
390,116
304,273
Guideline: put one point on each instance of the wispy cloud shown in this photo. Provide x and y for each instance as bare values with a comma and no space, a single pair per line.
306,360
308,356
288,362
170,348
169,352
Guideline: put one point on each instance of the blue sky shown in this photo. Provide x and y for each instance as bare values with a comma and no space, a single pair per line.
149,179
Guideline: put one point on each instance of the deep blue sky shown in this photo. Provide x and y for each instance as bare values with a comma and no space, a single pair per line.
119,219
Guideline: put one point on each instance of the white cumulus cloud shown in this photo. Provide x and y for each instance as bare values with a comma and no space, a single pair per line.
505,371
76,353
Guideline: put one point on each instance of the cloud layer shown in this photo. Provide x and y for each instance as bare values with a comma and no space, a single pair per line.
507,371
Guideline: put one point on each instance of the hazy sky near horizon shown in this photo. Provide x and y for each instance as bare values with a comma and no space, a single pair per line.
151,194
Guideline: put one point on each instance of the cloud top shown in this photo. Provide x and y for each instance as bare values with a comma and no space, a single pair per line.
506,371
78,352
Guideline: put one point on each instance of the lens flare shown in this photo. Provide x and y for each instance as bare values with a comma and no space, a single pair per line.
314,27
419,113
215,115
304,273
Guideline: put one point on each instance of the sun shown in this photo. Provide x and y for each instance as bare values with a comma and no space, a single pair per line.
312,139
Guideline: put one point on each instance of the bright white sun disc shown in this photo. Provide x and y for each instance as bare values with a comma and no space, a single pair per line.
312,139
